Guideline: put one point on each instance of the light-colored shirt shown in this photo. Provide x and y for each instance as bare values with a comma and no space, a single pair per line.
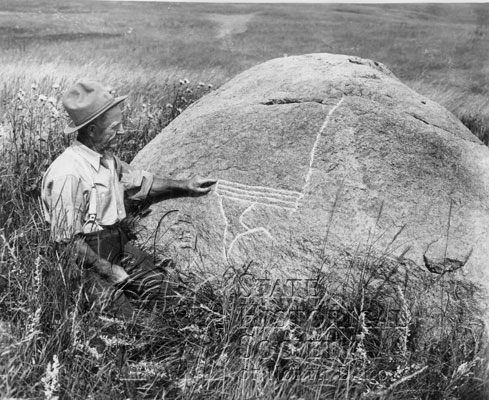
67,186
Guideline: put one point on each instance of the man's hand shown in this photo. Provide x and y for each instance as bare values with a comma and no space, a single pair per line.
195,186
198,185
112,272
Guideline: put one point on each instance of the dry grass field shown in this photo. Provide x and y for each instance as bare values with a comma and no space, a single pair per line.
440,50
383,337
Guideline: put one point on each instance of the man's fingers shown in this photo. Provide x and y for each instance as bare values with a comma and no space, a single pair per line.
198,185
203,190
199,182
206,182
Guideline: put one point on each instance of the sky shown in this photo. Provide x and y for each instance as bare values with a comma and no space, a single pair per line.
312,1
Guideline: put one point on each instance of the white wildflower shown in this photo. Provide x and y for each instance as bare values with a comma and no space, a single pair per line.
201,84
34,321
360,350
52,101
42,98
221,361
37,275
147,369
285,325
185,383
92,351
111,320
181,82
86,348
115,341
168,105
34,87
32,330
191,328
186,81
56,86
179,110
54,113
188,90
210,85
50,380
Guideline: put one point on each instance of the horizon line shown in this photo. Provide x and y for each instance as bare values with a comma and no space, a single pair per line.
359,2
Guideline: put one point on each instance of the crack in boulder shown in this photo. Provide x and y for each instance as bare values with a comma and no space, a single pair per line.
418,118
370,63
272,102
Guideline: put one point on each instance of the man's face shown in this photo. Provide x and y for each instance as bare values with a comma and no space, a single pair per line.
108,132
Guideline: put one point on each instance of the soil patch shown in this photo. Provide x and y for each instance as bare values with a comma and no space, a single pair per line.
231,24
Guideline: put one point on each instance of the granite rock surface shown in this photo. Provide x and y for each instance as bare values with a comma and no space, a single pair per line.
315,156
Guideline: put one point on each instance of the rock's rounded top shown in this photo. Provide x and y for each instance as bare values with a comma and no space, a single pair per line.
320,152
307,77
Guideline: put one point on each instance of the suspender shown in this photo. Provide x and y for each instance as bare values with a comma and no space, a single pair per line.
91,224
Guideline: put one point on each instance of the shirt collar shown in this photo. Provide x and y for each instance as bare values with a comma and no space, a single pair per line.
88,154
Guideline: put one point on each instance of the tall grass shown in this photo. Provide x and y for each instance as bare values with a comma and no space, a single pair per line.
366,326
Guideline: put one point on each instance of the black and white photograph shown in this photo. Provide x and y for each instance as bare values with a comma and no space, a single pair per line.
244,200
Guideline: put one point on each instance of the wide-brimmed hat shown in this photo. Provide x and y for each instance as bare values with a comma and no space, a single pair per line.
85,101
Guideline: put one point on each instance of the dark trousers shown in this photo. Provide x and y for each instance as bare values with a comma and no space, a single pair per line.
147,286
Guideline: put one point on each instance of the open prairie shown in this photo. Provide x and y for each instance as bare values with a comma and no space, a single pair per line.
440,50
371,333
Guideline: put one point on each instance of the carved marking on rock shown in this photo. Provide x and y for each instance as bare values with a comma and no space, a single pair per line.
242,215
259,229
225,233
313,150
266,196
248,229
258,194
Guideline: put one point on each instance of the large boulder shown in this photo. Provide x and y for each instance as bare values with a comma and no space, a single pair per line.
316,155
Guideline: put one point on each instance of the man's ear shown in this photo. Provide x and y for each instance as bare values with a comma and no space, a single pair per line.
91,130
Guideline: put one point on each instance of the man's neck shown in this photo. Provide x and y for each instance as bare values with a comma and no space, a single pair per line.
86,142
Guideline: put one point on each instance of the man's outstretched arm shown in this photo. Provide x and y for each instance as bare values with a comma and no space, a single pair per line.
140,184
190,187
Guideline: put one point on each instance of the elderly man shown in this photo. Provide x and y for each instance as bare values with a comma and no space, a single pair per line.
83,191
